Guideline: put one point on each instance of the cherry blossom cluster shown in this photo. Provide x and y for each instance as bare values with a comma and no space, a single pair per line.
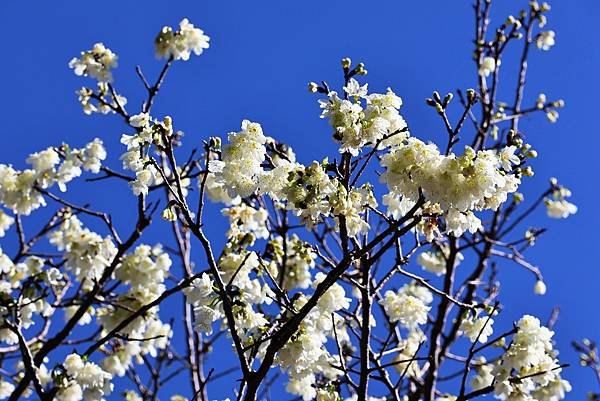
96,63
20,189
363,120
181,43
83,380
459,184
558,206
529,369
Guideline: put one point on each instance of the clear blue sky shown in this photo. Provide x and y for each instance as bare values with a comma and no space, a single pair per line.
263,54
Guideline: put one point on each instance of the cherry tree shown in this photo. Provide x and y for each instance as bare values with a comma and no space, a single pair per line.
369,274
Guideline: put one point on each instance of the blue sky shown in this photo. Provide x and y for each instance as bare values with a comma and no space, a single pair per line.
263,54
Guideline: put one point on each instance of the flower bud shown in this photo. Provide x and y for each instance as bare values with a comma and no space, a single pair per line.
360,69
518,197
494,132
518,142
530,237
448,99
168,214
313,87
539,288
552,116
471,95
532,154
215,143
346,63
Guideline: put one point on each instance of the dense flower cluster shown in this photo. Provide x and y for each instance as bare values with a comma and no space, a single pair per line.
477,328
202,296
239,270
181,43
86,253
483,374
308,190
19,188
238,171
356,126
244,219
408,306
305,355
299,260
84,380
458,184
558,207
144,272
96,63
352,205
529,369
137,159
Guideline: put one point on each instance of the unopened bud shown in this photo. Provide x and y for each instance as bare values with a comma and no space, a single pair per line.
346,62
552,116
518,142
518,197
494,132
539,288
168,122
448,99
360,69
471,95
214,143
168,214
313,87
